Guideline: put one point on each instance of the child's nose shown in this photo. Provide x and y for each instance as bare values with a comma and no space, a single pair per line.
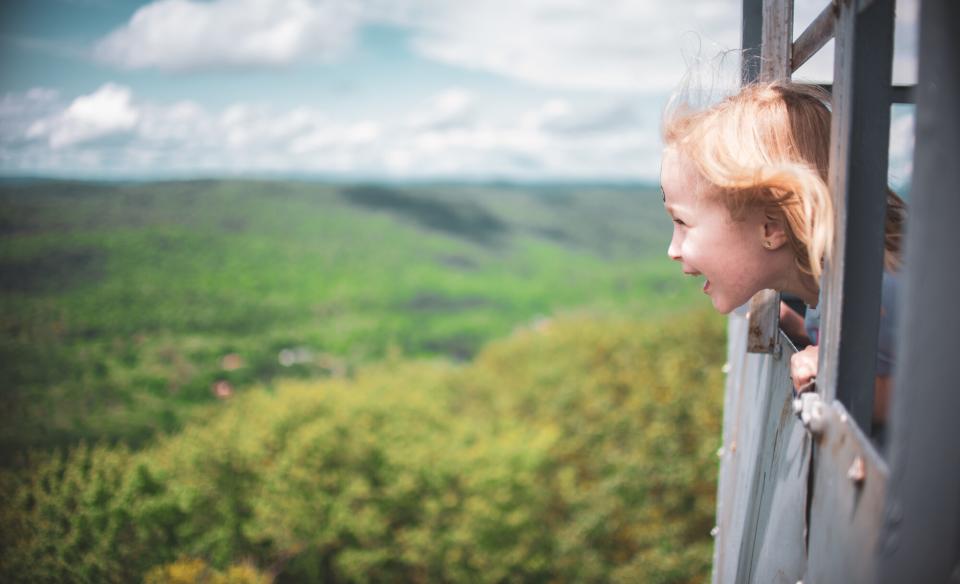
673,250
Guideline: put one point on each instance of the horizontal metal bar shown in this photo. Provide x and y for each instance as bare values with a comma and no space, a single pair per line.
817,34
899,93
903,93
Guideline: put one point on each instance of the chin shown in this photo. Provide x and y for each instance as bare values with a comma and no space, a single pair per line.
723,309
725,305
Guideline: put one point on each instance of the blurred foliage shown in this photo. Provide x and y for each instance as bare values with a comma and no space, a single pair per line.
126,309
579,449
196,571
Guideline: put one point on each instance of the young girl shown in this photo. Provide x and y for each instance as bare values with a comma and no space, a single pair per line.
745,184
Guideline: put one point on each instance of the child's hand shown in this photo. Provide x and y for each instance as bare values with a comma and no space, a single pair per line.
803,368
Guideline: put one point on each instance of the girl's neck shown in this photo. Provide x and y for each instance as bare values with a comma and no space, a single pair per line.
807,289
800,284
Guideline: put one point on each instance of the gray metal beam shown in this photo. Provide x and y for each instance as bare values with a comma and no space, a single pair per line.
751,35
858,181
898,93
921,536
777,40
814,36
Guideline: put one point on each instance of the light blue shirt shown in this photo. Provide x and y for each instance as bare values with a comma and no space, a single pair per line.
888,320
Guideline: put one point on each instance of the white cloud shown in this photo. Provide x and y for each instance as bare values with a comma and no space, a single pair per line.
621,45
104,112
189,35
183,137
449,109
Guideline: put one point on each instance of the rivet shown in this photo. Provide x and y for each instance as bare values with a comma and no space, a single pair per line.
812,414
715,531
857,471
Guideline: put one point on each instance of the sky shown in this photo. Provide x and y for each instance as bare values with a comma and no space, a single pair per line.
541,90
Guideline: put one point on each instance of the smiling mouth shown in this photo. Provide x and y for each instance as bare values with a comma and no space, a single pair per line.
706,282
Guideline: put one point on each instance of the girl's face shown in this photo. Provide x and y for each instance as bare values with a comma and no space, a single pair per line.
707,241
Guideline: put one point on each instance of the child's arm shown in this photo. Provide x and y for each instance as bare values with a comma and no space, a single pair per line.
792,324
803,370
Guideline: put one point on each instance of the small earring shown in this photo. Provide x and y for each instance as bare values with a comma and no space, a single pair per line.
768,244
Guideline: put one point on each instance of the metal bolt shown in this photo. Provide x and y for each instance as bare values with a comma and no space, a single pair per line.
811,413
715,531
857,471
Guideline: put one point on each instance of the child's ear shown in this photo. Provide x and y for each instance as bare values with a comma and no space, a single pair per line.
774,233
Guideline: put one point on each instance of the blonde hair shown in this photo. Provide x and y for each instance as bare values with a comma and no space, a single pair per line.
768,147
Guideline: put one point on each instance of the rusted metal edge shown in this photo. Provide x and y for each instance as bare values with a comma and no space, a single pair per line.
817,34
764,322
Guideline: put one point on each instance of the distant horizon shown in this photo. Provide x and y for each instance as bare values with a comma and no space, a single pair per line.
6,179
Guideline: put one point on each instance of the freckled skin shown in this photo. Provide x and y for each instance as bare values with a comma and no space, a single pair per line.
729,253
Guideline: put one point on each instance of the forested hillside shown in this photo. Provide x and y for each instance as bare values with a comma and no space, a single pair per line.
242,381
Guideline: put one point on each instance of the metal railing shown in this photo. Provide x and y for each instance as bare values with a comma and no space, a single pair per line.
808,498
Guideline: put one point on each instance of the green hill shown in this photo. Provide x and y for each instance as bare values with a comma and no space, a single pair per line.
126,309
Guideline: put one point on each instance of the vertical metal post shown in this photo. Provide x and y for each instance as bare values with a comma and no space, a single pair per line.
921,536
750,39
858,181
775,49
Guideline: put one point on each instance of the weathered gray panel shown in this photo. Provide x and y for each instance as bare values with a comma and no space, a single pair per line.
921,539
846,510
763,471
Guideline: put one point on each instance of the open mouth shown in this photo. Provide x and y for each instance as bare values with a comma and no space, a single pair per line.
706,282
